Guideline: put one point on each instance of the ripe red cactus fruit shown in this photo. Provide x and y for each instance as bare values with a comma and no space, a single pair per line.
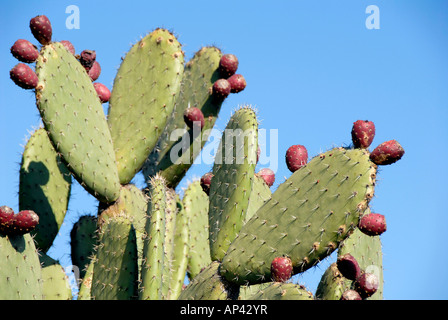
87,58
69,46
387,153
102,91
267,175
296,157
6,218
194,117
95,71
17,224
372,224
206,181
24,51
348,266
24,222
281,269
237,83
350,295
24,76
363,132
228,65
221,89
41,29
366,284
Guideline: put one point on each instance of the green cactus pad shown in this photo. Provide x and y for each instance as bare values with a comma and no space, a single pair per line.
283,291
56,285
259,195
306,218
209,285
196,206
73,115
45,184
115,267
142,99
200,74
154,248
231,185
180,254
332,284
20,270
83,239
171,211
368,252
85,285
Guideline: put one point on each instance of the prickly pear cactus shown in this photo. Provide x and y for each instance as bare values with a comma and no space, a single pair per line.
223,239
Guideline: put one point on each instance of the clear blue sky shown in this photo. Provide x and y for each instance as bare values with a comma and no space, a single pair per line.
312,68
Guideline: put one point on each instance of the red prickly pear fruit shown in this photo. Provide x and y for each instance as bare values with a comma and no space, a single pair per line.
296,157
237,83
69,46
363,132
24,76
24,222
87,58
6,218
221,89
228,65
102,91
206,181
194,117
281,269
372,224
24,51
366,284
267,175
348,266
387,153
95,71
41,29
350,295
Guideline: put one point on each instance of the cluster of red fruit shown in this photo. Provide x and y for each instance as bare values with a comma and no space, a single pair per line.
17,224
24,51
230,83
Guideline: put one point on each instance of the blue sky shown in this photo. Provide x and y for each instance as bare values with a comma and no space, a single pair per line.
312,69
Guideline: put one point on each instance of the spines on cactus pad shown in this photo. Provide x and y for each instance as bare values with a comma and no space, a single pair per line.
56,284
74,118
115,266
199,75
259,195
154,246
20,271
143,97
209,285
180,253
332,284
283,291
45,184
231,185
196,205
306,218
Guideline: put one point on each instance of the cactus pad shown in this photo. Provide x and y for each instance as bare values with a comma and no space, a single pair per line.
74,117
306,218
